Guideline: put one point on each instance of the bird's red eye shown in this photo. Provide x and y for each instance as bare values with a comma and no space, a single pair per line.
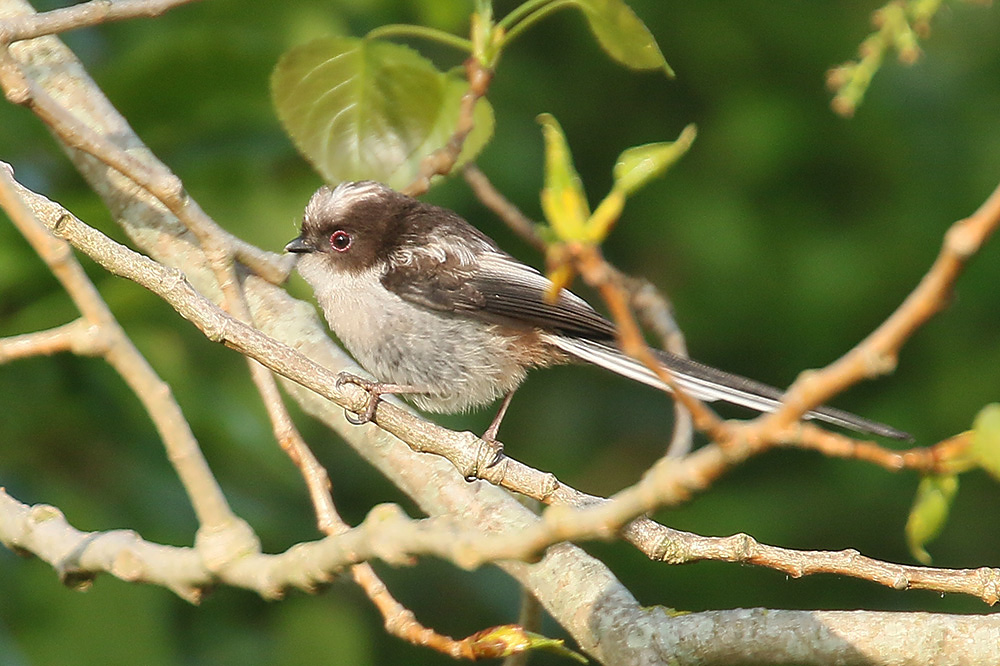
340,240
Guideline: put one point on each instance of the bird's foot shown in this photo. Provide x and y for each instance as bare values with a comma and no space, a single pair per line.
375,391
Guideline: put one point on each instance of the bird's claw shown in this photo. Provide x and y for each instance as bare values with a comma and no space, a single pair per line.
497,450
354,418
368,413
497,457
494,452
348,378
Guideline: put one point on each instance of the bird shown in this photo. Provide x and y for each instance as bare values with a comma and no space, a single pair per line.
436,312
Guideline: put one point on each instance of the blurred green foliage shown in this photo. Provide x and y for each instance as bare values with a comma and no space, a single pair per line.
783,237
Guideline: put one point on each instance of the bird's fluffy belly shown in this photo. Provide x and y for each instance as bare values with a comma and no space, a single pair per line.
454,358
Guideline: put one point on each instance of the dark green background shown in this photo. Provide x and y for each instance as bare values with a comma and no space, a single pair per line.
783,237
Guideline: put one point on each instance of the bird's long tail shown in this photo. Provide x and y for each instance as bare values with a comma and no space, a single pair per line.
710,384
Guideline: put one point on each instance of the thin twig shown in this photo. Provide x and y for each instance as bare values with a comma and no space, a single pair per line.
937,459
502,207
656,314
79,336
153,177
83,15
598,274
397,619
77,556
386,533
443,160
744,549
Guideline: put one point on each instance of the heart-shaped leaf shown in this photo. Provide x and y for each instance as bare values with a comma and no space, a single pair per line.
359,109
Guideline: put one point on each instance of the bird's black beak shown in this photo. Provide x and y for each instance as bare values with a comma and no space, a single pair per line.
298,246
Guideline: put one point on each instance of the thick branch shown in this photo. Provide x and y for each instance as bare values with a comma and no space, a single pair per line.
752,637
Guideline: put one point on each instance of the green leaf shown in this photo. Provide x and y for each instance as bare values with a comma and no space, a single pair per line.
360,109
637,166
563,199
929,513
623,35
511,639
985,447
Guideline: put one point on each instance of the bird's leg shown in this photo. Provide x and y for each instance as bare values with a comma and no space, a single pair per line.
375,391
490,436
491,433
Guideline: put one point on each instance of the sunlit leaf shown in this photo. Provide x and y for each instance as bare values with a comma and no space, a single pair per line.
985,448
563,199
929,513
360,108
637,166
605,216
561,277
623,35
510,639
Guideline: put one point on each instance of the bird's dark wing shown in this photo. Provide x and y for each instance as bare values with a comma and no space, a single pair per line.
497,288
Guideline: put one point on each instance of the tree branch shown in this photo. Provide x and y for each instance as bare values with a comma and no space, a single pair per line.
443,160
755,636
83,15
78,336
